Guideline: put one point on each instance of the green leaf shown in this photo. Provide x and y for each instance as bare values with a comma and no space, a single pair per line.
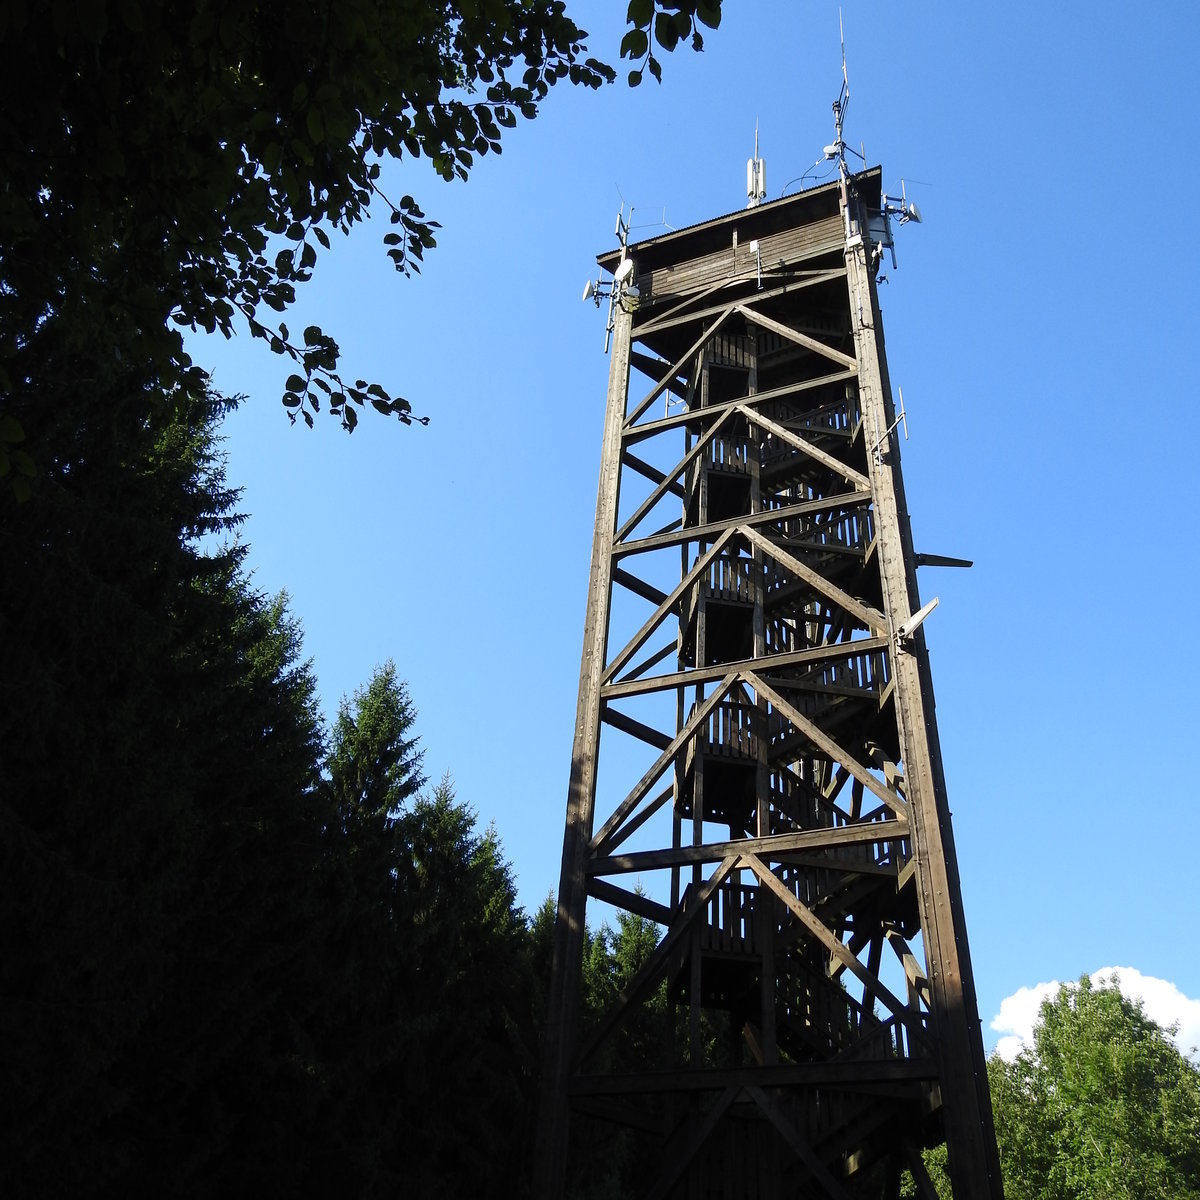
709,12
635,78
296,383
639,13
665,33
634,44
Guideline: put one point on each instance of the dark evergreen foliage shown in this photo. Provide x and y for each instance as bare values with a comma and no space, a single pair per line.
159,747
226,969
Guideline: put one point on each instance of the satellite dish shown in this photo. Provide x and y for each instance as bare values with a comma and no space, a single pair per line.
623,271
913,213
589,290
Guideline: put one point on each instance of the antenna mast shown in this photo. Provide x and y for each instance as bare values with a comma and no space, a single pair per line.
839,111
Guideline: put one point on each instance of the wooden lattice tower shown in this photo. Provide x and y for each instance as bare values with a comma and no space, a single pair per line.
770,782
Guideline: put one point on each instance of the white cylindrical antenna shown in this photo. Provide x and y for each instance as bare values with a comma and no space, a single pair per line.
756,176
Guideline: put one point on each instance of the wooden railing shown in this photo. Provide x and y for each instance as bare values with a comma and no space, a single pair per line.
729,454
729,924
731,578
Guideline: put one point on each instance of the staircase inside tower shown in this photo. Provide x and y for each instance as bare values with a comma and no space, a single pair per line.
751,983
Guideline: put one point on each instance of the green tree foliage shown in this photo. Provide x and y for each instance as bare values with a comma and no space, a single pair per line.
432,1038
159,818
181,165
424,1029
470,1063
1102,1105
667,25
234,963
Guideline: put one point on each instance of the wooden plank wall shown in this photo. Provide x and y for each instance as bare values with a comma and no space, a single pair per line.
778,249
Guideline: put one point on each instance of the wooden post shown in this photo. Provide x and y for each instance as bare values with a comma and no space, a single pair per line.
563,1004
974,1165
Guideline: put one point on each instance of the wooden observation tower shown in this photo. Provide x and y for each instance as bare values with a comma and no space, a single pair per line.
756,768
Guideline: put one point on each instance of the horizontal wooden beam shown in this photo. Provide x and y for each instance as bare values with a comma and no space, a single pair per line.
850,1076
698,533
770,848
639,433
771,662
672,317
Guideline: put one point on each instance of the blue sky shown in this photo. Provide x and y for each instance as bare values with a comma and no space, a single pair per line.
1041,324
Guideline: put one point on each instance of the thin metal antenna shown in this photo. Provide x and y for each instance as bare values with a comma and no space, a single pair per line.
838,150
842,35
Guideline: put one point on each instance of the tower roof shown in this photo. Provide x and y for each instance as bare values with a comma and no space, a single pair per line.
759,222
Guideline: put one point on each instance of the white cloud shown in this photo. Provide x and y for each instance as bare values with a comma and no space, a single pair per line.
1163,1001
1017,1016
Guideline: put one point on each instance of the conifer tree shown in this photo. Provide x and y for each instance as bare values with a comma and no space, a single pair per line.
159,822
